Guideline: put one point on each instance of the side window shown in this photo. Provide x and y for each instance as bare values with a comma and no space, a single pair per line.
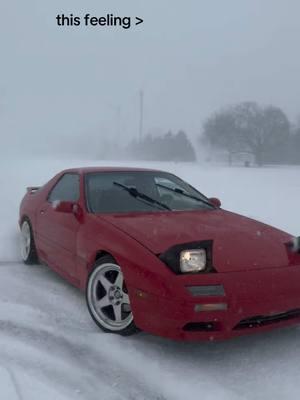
66,189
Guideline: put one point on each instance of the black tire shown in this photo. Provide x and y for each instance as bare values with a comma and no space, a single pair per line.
127,326
29,256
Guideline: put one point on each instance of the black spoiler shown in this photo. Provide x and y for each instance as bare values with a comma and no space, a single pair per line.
32,189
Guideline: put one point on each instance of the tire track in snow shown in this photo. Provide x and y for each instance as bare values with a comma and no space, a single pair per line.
9,377
50,317
41,331
92,366
11,262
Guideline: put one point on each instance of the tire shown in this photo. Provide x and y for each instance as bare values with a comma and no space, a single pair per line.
28,249
107,298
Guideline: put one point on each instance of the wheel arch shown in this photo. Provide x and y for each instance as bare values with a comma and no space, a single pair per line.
102,253
95,257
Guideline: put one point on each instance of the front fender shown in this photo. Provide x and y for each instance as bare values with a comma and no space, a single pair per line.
141,268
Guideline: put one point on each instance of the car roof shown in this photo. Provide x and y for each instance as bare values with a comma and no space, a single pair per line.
85,170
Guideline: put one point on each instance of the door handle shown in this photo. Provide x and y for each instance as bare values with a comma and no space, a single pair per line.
42,212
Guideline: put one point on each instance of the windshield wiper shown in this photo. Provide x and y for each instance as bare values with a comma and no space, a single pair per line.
183,193
137,194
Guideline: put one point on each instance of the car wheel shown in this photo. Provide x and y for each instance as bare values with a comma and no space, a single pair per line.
28,249
107,298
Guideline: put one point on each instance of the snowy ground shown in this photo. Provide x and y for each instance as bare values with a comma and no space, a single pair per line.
50,348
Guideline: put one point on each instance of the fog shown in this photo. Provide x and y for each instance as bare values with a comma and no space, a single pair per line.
73,88
70,96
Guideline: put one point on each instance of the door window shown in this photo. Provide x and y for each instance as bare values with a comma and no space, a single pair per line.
66,189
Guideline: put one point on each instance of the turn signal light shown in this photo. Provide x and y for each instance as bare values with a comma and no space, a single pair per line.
211,307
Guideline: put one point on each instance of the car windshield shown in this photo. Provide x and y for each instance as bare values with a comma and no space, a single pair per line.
106,192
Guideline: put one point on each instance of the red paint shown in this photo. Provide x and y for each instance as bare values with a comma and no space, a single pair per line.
259,274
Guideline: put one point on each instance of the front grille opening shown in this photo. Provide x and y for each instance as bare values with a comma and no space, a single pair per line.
201,327
262,320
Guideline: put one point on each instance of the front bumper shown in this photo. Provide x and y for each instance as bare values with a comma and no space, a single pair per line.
257,301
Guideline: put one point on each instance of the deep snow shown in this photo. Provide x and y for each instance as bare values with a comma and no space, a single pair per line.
50,348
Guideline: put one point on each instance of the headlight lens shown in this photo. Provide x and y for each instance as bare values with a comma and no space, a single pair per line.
193,260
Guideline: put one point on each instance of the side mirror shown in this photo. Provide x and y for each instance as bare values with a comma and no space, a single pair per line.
63,206
69,207
215,202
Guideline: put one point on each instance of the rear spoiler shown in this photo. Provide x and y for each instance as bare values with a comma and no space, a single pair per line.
32,189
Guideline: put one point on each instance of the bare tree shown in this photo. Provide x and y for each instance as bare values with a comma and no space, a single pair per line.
248,127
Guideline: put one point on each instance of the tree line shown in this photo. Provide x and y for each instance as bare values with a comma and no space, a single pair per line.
263,134
169,147
261,131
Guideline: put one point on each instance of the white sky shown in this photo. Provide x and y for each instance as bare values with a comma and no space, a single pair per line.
190,57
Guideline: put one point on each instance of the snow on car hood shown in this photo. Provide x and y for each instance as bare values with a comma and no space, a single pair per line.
239,243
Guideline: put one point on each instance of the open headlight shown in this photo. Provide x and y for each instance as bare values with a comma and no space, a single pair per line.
192,260
187,258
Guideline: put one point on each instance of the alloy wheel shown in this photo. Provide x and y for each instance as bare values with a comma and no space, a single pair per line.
108,298
25,240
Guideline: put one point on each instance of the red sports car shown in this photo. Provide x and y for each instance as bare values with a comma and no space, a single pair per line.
153,253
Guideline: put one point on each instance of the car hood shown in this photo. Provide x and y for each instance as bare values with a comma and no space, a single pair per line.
239,242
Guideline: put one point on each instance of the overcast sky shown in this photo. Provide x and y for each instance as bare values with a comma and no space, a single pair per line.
190,57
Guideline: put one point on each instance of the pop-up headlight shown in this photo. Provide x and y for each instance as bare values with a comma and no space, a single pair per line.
192,260
193,257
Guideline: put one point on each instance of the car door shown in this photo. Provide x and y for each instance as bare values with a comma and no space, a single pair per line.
57,230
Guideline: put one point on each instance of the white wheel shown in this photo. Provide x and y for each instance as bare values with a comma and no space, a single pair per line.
107,298
28,251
